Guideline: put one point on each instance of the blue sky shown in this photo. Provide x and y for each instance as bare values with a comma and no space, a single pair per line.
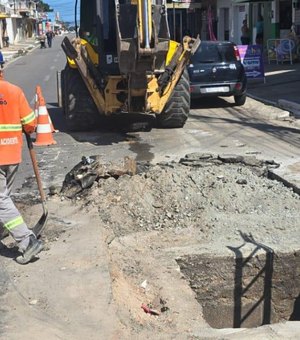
64,7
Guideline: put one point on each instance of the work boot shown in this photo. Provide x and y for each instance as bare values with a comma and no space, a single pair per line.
3,233
34,247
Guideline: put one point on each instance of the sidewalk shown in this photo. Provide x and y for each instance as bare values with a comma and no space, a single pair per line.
18,49
281,87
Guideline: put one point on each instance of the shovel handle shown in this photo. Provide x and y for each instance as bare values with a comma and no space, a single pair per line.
35,166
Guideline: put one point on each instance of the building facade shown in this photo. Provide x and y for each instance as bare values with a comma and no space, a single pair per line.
279,16
222,19
215,19
18,20
192,17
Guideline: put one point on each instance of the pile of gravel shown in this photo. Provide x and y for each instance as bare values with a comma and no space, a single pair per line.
213,194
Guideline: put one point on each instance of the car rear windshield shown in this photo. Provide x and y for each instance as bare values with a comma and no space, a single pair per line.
211,53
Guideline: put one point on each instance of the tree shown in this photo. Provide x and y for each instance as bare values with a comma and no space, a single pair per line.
43,7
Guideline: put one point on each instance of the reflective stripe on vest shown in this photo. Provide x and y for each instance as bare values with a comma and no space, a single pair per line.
14,223
28,119
10,127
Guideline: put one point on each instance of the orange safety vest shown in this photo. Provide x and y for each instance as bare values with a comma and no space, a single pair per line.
15,115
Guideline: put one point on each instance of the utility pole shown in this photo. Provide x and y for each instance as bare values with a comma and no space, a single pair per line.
174,20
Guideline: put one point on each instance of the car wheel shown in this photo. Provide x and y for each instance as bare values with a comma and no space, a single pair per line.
240,100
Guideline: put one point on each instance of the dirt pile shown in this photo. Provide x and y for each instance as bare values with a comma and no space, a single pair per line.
212,194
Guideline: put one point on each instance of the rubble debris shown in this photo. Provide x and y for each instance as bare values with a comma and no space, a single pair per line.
54,190
160,197
91,169
33,302
158,212
241,181
149,310
203,159
144,284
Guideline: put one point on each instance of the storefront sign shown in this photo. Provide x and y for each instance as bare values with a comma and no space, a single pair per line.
252,59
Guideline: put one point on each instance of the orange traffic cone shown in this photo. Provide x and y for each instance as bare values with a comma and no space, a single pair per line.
51,124
44,130
40,95
36,100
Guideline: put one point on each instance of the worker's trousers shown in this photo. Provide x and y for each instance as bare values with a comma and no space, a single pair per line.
10,217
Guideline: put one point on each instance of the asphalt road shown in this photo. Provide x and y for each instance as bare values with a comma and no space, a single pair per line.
215,125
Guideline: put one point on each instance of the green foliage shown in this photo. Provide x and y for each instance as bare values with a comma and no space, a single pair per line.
43,7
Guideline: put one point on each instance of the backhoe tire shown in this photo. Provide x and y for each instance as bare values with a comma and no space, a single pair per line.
177,108
80,111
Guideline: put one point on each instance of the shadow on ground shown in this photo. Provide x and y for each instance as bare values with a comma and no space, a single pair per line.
288,134
116,126
210,103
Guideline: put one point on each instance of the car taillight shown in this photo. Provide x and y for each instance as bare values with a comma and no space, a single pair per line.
237,53
238,86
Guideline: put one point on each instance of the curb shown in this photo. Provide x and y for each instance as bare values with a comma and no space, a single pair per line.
265,101
277,114
19,51
286,105
283,179
290,106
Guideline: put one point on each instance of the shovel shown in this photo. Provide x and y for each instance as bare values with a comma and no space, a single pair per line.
40,225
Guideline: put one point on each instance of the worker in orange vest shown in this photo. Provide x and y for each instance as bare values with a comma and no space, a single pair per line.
15,116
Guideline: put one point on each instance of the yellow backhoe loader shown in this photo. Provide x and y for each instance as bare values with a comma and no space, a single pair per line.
123,61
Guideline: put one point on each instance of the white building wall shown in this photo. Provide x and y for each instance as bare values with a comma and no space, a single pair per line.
224,18
10,29
240,13
230,17
11,24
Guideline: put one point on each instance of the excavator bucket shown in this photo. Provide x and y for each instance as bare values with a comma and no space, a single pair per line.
150,41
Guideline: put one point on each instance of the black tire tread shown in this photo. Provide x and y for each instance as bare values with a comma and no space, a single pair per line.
177,108
79,108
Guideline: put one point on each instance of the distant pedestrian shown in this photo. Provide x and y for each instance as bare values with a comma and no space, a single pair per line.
5,41
15,116
245,37
260,30
42,39
49,36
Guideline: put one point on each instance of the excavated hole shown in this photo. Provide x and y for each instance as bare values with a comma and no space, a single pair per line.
245,290
209,198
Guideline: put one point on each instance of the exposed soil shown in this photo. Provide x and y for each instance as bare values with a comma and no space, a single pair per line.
204,204
215,197
159,222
